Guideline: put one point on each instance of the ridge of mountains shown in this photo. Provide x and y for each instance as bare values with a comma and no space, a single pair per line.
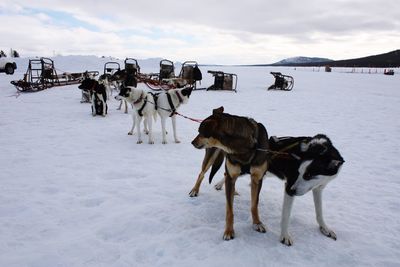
390,59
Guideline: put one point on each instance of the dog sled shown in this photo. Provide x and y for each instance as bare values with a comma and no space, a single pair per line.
166,79
41,74
111,67
131,66
223,81
282,82
388,72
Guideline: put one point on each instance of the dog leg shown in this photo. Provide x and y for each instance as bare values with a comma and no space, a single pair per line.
120,104
133,123
146,124
232,174
317,194
93,106
126,106
139,120
150,130
173,118
218,186
104,111
257,174
286,210
164,135
209,158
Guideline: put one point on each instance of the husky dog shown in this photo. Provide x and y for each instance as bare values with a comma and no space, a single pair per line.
123,78
98,95
144,106
167,104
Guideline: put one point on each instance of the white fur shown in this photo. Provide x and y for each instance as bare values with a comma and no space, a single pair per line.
302,186
100,97
164,110
148,112
107,85
316,141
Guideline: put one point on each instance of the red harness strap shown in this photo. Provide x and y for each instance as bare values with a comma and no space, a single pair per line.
139,99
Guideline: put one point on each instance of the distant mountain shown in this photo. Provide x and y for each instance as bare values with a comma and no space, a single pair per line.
301,60
390,59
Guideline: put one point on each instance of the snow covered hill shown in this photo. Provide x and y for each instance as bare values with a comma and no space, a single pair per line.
300,60
76,190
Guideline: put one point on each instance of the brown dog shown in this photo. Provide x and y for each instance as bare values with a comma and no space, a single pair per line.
244,141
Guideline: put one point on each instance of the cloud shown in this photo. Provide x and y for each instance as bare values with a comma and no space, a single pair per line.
252,31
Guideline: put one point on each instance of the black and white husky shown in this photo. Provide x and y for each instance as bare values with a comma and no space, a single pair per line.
98,95
305,163
144,108
167,104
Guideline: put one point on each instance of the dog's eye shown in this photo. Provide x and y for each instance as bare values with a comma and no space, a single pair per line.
307,176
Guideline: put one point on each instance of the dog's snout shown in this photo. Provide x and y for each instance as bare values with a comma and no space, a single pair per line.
196,143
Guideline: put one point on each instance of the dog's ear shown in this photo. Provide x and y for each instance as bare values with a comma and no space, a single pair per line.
218,110
187,91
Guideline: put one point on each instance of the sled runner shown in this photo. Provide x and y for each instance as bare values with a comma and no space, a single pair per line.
282,82
41,74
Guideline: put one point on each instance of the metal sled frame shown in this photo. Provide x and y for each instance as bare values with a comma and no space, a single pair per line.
111,67
132,66
223,81
41,74
166,79
187,73
282,82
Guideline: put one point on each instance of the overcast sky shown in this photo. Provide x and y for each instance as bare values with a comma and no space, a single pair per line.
208,31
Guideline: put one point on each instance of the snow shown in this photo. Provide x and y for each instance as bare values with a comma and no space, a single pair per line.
76,190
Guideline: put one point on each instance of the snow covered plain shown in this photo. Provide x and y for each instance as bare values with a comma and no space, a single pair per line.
76,190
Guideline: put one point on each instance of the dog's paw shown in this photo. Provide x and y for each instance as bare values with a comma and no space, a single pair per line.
151,142
164,142
286,240
139,142
218,186
177,141
327,232
229,234
194,193
260,227
130,133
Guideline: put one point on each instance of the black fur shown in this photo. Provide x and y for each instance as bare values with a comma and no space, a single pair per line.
95,89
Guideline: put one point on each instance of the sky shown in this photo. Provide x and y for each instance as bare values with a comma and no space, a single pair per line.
208,31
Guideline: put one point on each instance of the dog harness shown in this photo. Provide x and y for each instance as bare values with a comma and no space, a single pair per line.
140,110
155,96
171,104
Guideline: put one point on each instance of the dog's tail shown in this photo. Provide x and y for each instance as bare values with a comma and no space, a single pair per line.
216,165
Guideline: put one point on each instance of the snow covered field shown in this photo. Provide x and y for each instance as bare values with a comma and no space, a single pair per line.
76,190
